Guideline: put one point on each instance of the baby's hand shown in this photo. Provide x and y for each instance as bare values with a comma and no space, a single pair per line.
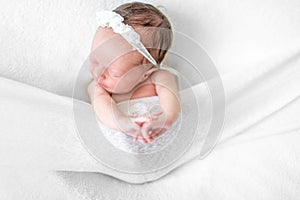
139,137
156,126
151,127
128,126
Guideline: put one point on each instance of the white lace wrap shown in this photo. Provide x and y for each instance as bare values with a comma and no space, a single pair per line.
139,107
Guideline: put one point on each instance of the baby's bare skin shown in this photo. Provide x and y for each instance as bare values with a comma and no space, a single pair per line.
129,77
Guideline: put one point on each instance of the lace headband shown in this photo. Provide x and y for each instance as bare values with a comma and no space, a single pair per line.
112,19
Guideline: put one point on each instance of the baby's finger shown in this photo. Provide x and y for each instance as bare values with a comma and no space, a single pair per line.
133,132
159,133
141,139
146,132
136,137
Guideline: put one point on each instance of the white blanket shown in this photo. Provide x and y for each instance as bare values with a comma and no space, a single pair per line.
47,131
258,151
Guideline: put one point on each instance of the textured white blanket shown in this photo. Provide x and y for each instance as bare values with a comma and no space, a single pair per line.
47,130
259,143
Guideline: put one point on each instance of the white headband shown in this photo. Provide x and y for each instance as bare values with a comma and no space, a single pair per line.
112,19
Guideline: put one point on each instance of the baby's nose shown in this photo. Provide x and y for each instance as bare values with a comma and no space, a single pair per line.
103,75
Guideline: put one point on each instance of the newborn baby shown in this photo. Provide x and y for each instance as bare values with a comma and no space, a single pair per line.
124,75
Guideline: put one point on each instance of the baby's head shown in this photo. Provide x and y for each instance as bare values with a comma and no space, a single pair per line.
152,25
125,67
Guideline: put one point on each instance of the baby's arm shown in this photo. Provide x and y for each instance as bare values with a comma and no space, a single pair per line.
107,111
167,90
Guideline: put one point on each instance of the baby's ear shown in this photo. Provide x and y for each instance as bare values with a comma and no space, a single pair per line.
150,71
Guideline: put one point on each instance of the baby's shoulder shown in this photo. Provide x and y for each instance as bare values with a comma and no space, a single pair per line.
162,74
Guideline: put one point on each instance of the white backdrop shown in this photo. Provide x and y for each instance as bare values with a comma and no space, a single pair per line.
44,43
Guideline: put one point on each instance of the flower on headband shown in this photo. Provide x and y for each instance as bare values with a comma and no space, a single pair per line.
111,19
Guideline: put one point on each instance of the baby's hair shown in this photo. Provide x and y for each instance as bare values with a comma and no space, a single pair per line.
156,27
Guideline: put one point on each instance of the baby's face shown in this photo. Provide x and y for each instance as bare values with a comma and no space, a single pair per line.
115,66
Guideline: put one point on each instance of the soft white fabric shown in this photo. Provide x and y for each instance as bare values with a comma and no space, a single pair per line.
258,150
49,129
260,168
